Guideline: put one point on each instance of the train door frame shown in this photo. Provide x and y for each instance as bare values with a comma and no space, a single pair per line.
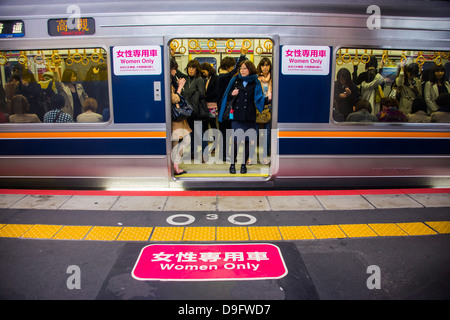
274,161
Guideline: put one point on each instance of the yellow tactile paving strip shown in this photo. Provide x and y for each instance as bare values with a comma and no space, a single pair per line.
103,233
211,234
357,230
135,234
72,233
387,229
264,233
199,234
232,234
296,233
440,226
327,232
41,231
167,234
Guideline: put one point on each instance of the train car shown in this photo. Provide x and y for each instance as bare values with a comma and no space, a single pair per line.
119,53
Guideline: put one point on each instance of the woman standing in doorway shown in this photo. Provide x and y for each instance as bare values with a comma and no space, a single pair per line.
264,71
194,93
246,91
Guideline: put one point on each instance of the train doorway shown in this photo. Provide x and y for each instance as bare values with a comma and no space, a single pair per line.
203,145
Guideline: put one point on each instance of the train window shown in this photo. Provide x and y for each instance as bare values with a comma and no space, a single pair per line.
211,147
60,86
373,85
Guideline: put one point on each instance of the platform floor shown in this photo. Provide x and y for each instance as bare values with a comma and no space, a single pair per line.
329,240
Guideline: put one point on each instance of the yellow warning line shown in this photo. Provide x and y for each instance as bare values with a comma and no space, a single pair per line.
269,233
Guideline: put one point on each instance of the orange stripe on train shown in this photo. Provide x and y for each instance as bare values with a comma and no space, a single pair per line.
360,134
53,135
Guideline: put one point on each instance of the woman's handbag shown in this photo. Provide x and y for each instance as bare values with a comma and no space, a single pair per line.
228,113
212,108
182,110
264,116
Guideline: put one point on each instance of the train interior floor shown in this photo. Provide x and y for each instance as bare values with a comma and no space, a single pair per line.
212,165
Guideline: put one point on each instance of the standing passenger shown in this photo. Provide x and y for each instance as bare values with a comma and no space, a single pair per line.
227,69
96,86
210,92
180,129
194,93
264,71
72,92
346,93
246,89
31,90
210,96
409,85
435,87
370,82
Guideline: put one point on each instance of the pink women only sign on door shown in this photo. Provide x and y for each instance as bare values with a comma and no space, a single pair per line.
137,60
209,262
305,60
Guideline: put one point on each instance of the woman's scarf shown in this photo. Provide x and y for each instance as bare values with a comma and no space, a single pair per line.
259,96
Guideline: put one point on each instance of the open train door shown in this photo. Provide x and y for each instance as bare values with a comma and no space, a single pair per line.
207,157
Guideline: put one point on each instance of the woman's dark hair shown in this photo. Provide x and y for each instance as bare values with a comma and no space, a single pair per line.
344,74
208,67
57,101
29,77
194,64
227,63
414,69
433,71
373,63
250,66
67,75
263,62
173,64
363,104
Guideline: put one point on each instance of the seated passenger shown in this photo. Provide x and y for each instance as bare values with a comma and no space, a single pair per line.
337,116
89,115
390,112
19,106
106,114
362,112
418,111
442,114
57,102
3,117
